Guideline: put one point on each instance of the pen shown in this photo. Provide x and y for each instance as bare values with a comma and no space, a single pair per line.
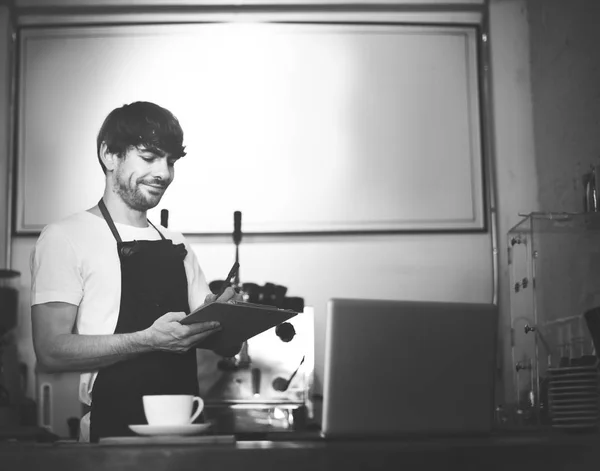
227,281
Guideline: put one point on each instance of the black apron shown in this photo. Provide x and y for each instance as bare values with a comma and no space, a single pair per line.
153,282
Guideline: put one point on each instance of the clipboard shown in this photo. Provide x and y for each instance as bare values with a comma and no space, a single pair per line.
239,321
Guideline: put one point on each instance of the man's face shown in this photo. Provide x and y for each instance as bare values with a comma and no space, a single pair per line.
142,176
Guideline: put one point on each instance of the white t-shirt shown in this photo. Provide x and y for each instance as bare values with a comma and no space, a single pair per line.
75,261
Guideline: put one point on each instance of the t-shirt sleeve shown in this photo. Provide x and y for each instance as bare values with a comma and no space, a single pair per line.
55,269
197,285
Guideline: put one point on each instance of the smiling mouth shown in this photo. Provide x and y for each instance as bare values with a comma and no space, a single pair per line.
156,187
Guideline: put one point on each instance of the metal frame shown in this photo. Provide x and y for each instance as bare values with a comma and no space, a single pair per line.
487,126
12,156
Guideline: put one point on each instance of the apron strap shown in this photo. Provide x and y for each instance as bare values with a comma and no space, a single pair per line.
112,226
109,220
159,233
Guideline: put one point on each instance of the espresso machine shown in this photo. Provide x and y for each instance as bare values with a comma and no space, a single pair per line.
266,387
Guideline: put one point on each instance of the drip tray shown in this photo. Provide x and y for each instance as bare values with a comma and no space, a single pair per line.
252,418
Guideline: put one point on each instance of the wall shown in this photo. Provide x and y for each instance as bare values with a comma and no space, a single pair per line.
412,267
565,71
514,152
547,113
565,68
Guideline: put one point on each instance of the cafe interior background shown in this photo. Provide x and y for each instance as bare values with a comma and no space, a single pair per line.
319,168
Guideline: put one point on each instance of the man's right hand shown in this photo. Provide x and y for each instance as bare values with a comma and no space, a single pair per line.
168,334
58,349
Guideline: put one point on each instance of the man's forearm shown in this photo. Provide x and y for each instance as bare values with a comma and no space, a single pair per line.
74,352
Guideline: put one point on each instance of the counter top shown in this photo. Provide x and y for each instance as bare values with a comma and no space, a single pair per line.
497,452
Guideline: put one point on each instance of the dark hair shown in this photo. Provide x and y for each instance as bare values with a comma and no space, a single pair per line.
141,124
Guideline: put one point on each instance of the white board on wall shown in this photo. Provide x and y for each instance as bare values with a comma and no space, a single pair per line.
302,127
162,3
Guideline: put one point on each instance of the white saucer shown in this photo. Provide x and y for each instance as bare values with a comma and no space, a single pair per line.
187,429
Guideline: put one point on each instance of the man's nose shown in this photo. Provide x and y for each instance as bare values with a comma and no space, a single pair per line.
161,170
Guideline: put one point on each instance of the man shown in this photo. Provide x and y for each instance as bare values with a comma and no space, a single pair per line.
109,288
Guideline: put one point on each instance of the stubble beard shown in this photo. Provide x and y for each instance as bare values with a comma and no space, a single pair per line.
131,193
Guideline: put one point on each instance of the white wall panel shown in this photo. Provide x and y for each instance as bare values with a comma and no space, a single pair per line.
121,3
303,128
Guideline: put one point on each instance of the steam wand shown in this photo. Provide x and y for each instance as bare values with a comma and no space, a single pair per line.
237,238
242,359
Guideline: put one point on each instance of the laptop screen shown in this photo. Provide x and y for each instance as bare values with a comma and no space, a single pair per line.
408,367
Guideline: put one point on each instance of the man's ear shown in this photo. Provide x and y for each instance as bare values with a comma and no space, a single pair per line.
108,158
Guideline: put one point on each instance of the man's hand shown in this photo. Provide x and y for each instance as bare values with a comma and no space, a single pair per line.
168,334
228,295
58,349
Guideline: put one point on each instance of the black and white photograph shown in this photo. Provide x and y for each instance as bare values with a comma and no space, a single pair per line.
314,234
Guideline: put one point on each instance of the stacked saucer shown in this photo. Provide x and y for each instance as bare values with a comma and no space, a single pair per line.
573,397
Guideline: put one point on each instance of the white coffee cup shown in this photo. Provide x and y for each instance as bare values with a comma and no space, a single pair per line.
171,409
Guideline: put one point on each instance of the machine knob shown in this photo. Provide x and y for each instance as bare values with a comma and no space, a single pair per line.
285,331
529,329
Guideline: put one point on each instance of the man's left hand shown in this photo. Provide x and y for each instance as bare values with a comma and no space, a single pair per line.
230,294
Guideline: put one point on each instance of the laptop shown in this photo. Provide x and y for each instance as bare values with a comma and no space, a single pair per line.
408,368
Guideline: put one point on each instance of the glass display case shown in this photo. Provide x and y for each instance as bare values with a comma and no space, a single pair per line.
554,272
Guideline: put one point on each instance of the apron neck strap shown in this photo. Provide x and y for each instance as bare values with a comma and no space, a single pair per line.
111,223
109,220
159,233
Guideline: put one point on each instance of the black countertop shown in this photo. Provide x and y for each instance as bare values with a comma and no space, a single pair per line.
500,451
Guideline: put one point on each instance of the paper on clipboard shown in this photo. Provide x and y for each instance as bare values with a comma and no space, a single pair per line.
239,321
